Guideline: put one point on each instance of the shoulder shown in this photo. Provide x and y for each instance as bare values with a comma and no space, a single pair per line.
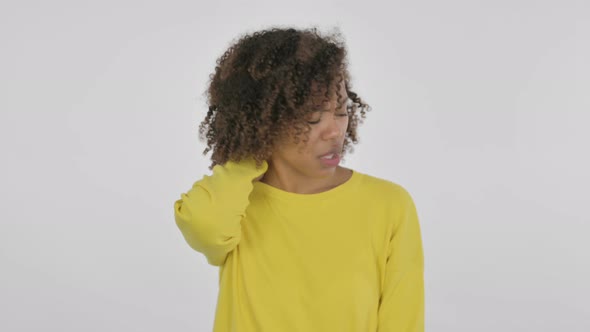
387,198
384,189
388,202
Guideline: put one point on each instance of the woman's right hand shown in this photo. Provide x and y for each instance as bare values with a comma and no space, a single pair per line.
260,176
265,165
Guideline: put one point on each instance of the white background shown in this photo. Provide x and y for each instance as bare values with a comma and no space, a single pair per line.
480,109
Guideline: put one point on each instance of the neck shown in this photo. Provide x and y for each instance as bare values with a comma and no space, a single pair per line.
291,180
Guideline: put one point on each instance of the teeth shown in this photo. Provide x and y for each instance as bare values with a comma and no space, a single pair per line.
330,156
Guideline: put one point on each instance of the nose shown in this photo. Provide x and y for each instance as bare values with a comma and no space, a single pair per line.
333,129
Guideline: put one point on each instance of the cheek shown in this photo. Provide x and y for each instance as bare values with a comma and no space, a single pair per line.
292,151
312,142
299,152
296,151
345,125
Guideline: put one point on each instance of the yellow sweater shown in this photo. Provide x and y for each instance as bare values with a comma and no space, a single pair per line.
349,259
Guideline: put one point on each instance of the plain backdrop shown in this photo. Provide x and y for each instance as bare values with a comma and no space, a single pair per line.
479,108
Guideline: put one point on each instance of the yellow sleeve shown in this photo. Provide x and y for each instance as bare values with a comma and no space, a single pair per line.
401,305
209,215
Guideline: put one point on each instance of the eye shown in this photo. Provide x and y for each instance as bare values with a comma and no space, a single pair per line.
318,121
314,117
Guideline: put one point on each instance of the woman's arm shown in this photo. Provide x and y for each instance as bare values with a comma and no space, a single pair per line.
401,306
209,215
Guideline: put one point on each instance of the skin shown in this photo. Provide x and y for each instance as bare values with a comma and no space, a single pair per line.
297,168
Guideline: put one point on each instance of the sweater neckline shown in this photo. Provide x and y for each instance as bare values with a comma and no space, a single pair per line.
337,191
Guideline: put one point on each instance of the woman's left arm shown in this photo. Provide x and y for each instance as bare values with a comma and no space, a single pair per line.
401,305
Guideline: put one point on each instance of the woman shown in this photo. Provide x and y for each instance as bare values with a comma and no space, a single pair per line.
302,243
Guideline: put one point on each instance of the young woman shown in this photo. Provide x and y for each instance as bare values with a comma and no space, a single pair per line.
302,243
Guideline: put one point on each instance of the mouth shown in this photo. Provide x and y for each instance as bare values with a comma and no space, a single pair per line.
330,156
333,153
331,159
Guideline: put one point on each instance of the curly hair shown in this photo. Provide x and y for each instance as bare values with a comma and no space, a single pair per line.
264,87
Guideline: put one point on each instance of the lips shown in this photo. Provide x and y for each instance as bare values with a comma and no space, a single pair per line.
334,151
329,156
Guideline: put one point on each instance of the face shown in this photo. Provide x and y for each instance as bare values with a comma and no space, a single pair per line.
328,129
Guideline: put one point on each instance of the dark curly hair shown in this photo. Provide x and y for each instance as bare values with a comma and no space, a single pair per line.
264,87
